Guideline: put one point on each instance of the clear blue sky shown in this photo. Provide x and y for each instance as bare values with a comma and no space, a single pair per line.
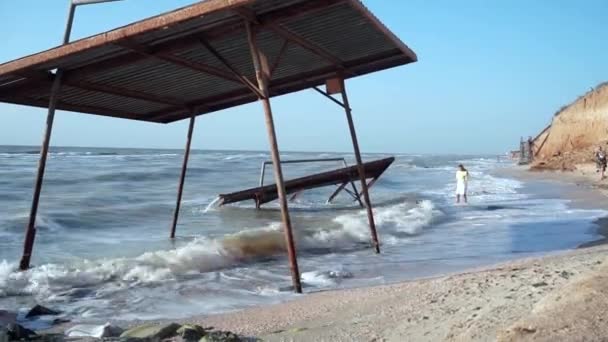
488,73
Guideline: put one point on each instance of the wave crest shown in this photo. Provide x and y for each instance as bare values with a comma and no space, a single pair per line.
205,255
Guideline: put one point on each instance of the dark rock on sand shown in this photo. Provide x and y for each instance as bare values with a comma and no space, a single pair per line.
92,330
221,336
152,332
190,332
40,310
16,332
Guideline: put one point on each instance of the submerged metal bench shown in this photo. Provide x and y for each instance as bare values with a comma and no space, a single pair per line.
340,177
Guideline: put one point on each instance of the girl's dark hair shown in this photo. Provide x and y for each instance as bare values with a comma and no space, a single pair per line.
461,167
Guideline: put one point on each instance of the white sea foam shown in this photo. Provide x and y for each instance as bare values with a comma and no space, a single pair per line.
50,280
212,205
204,255
393,221
325,278
483,188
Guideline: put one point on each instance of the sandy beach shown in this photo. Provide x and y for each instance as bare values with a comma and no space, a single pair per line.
562,296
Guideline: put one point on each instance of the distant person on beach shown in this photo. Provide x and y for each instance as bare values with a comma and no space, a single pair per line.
600,162
462,180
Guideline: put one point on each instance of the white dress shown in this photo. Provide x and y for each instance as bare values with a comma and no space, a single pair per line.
462,178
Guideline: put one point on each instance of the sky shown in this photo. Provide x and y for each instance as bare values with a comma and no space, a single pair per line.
488,72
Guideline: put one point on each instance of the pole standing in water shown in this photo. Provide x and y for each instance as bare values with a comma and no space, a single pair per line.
462,180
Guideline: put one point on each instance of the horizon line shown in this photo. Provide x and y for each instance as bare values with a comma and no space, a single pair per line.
250,150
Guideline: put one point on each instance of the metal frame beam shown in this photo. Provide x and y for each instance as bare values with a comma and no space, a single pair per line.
75,82
261,76
279,86
329,97
118,91
278,58
335,193
184,63
232,69
288,35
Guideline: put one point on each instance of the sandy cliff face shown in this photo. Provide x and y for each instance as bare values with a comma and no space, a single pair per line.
579,126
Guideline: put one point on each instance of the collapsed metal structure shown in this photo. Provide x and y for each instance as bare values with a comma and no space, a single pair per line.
203,58
340,177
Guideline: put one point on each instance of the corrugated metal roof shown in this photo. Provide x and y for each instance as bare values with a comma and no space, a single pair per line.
160,70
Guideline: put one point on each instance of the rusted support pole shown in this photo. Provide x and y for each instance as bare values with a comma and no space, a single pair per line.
180,187
364,187
30,233
276,160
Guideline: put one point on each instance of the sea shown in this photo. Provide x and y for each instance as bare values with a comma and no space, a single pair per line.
103,251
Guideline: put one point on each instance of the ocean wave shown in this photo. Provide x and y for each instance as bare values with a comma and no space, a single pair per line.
133,176
52,281
17,223
483,187
393,222
246,156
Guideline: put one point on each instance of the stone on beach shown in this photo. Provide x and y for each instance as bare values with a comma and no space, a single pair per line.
16,332
190,332
152,332
220,336
174,332
92,330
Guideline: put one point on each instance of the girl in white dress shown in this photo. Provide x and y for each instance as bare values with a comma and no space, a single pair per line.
462,179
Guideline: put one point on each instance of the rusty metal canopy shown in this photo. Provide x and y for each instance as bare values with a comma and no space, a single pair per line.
197,60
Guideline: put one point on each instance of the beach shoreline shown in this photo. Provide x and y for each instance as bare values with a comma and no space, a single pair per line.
587,190
473,305
479,304
494,301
